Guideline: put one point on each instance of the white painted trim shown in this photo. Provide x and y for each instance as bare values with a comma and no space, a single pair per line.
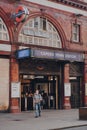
59,6
5,47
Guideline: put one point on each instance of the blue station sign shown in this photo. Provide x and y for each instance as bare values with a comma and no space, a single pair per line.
50,54
24,53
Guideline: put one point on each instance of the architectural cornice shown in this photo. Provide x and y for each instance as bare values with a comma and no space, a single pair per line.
74,3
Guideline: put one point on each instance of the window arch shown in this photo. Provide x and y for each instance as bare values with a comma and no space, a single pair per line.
40,31
4,35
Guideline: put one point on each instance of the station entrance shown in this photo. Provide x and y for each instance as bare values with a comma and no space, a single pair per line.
41,75
47,86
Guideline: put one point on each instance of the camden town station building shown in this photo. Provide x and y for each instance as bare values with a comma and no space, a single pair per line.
43,45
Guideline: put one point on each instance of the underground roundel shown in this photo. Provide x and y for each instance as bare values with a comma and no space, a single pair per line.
21,14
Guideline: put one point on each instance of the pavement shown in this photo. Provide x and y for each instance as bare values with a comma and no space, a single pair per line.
49,120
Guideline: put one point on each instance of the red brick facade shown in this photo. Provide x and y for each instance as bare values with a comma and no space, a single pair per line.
63,22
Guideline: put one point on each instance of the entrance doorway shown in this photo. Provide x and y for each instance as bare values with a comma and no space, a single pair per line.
75,94
48,88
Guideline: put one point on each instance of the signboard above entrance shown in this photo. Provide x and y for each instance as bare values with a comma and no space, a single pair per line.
58,55
50,54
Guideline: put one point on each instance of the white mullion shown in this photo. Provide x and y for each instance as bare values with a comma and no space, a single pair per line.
52,37
32,39
38,19
56,39
46,25
78,33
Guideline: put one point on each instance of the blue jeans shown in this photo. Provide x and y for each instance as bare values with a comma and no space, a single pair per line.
37,109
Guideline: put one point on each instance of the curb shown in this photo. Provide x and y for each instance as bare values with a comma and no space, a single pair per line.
63,128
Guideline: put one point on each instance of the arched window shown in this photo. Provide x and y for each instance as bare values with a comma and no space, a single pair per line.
40,31
4,35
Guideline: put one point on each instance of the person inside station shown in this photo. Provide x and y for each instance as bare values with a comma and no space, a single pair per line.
30,101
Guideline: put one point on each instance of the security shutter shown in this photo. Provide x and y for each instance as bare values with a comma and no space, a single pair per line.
4,84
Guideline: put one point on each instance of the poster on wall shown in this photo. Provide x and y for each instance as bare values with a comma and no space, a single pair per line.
15,90
85,89
67,89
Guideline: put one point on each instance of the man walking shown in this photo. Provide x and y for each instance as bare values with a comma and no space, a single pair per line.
37,99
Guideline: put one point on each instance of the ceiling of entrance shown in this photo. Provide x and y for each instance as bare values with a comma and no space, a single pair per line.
35,66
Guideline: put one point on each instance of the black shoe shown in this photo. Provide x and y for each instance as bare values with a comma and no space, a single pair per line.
36,116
